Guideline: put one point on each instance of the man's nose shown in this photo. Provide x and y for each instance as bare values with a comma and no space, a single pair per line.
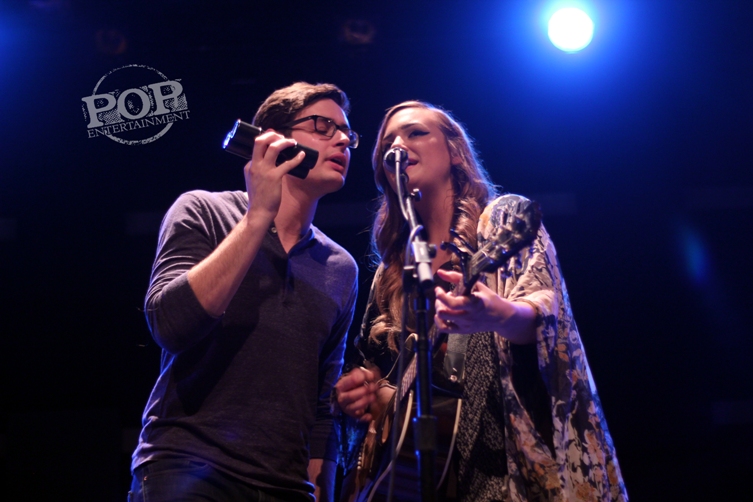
341,138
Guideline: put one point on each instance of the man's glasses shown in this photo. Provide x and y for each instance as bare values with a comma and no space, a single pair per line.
327,127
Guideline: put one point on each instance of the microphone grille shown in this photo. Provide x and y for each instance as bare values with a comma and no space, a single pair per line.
393,156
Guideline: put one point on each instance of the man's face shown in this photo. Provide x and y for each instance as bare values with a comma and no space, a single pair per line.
334,155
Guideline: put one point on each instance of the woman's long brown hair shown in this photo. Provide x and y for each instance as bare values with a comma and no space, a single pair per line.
472,190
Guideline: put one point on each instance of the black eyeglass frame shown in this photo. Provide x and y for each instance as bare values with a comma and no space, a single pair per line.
353,136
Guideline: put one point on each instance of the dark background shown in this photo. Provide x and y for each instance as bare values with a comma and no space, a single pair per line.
639,149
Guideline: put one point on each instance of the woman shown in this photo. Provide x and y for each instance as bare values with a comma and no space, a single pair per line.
531,426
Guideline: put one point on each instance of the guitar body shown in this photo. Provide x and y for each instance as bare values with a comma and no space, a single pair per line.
370,480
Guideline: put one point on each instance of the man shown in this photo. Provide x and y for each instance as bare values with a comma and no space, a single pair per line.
251,305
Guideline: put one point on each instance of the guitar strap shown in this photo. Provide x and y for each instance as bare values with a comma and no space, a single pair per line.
457,345
454,359
482,461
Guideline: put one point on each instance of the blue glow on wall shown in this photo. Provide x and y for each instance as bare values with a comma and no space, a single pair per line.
696,256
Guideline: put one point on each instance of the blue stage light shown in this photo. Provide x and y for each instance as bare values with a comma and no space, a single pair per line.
570,29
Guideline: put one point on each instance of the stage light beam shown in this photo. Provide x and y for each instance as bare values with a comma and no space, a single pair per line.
570,29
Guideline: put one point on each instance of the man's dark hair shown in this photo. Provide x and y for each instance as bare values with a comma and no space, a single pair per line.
282,105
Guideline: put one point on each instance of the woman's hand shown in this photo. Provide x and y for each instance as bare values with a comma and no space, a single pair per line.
483,310
356,391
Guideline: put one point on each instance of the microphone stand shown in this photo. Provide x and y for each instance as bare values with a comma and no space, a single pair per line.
417,276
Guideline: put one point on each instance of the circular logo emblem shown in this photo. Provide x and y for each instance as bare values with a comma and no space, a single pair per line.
134,104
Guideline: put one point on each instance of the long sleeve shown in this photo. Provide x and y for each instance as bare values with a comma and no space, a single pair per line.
189,233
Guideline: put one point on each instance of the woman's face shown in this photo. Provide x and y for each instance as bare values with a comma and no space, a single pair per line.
429,160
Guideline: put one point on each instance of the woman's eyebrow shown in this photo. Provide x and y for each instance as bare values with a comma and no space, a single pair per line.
403,127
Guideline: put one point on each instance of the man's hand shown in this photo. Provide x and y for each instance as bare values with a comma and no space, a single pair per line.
263,177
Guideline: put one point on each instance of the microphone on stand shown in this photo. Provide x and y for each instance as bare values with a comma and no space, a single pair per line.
395,156
417,279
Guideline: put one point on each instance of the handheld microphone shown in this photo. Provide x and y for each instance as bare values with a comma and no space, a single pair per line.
240,141
393,157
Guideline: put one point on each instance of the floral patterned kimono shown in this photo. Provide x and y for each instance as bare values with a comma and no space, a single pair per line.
583,464
531,425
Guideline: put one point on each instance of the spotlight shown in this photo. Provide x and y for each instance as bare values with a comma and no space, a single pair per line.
570,29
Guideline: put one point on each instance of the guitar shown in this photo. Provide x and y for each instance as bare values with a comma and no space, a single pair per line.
369,480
